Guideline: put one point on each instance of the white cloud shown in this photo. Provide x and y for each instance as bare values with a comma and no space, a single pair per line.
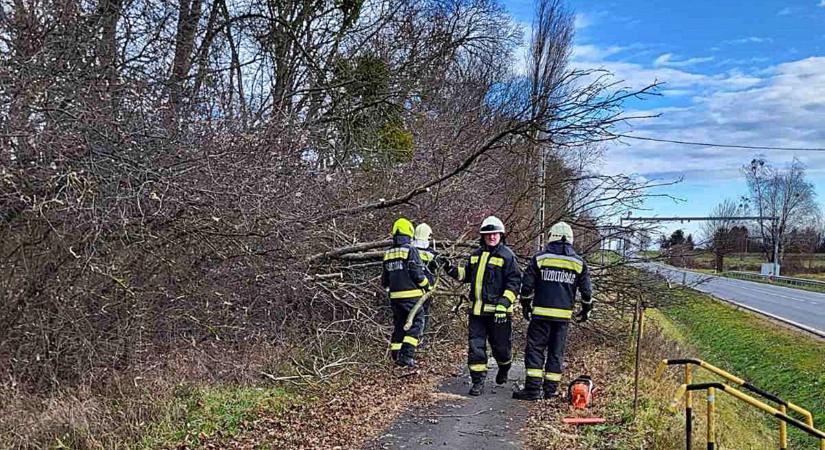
783,109
593,52
668,60
822,3
751,40
582,21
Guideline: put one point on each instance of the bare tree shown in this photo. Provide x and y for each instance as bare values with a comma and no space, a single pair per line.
785,194
719,234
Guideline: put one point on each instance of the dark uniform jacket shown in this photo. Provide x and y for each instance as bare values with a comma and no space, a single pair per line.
403,271
428,256
555,274
494,278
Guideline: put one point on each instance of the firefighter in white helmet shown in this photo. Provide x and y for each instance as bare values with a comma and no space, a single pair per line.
494,277
430,258
553,275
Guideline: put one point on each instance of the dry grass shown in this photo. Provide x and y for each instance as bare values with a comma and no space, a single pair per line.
219,398
653,428
117,410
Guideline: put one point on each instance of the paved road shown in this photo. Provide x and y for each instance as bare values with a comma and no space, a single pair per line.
804,309
458,421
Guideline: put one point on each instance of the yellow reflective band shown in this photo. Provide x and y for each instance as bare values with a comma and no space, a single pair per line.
478,367
407,294
395,346
424,282
550,376
396,253
473,259
535,373
462,273
552,312
510,295
492,308
480,282
496,261
561,264
411,340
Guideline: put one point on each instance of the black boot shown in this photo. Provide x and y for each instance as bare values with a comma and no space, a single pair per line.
404,361
477,388
528,393
550,390
501,375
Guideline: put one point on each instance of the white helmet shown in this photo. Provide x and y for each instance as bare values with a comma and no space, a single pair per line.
491,225
422,235
559,231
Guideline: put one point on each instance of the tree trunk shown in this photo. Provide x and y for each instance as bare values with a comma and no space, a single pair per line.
188,17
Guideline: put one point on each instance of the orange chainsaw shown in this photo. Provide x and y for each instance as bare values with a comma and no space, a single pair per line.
580,392
580,395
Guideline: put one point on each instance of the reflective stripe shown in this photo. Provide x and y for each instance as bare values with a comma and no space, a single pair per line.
424,282
462,273
407,294
425,256
478,367
551,376
510,295
555,256
535,373
492,308
552,312
411,340
504,363
395,346
496,261
473,259
480,282
558,263
396,253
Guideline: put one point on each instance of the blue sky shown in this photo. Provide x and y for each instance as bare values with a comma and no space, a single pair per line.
747,73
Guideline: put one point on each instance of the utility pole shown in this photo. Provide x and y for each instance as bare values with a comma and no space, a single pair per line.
776,247
541,205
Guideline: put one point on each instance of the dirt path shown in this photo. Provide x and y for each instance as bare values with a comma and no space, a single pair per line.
458,421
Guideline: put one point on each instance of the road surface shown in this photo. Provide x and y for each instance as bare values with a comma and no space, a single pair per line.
460,422
803,309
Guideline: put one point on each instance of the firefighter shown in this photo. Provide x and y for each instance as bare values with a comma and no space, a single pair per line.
403,276
494,277
431,259
553,277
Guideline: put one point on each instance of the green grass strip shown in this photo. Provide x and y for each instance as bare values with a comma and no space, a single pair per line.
786,362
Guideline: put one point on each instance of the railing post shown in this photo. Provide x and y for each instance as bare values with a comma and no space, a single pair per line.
711,419
783,430
688,409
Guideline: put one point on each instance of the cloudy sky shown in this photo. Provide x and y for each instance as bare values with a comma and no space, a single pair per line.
749,73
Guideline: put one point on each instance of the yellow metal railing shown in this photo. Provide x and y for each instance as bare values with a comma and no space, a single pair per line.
688,379
711,398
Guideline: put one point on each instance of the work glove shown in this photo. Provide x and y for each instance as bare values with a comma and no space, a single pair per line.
501,314
584,314
445,264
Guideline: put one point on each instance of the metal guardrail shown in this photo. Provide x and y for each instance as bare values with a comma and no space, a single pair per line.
711,425
789,280
688,379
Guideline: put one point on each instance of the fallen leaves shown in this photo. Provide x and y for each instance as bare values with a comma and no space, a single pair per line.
347,412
